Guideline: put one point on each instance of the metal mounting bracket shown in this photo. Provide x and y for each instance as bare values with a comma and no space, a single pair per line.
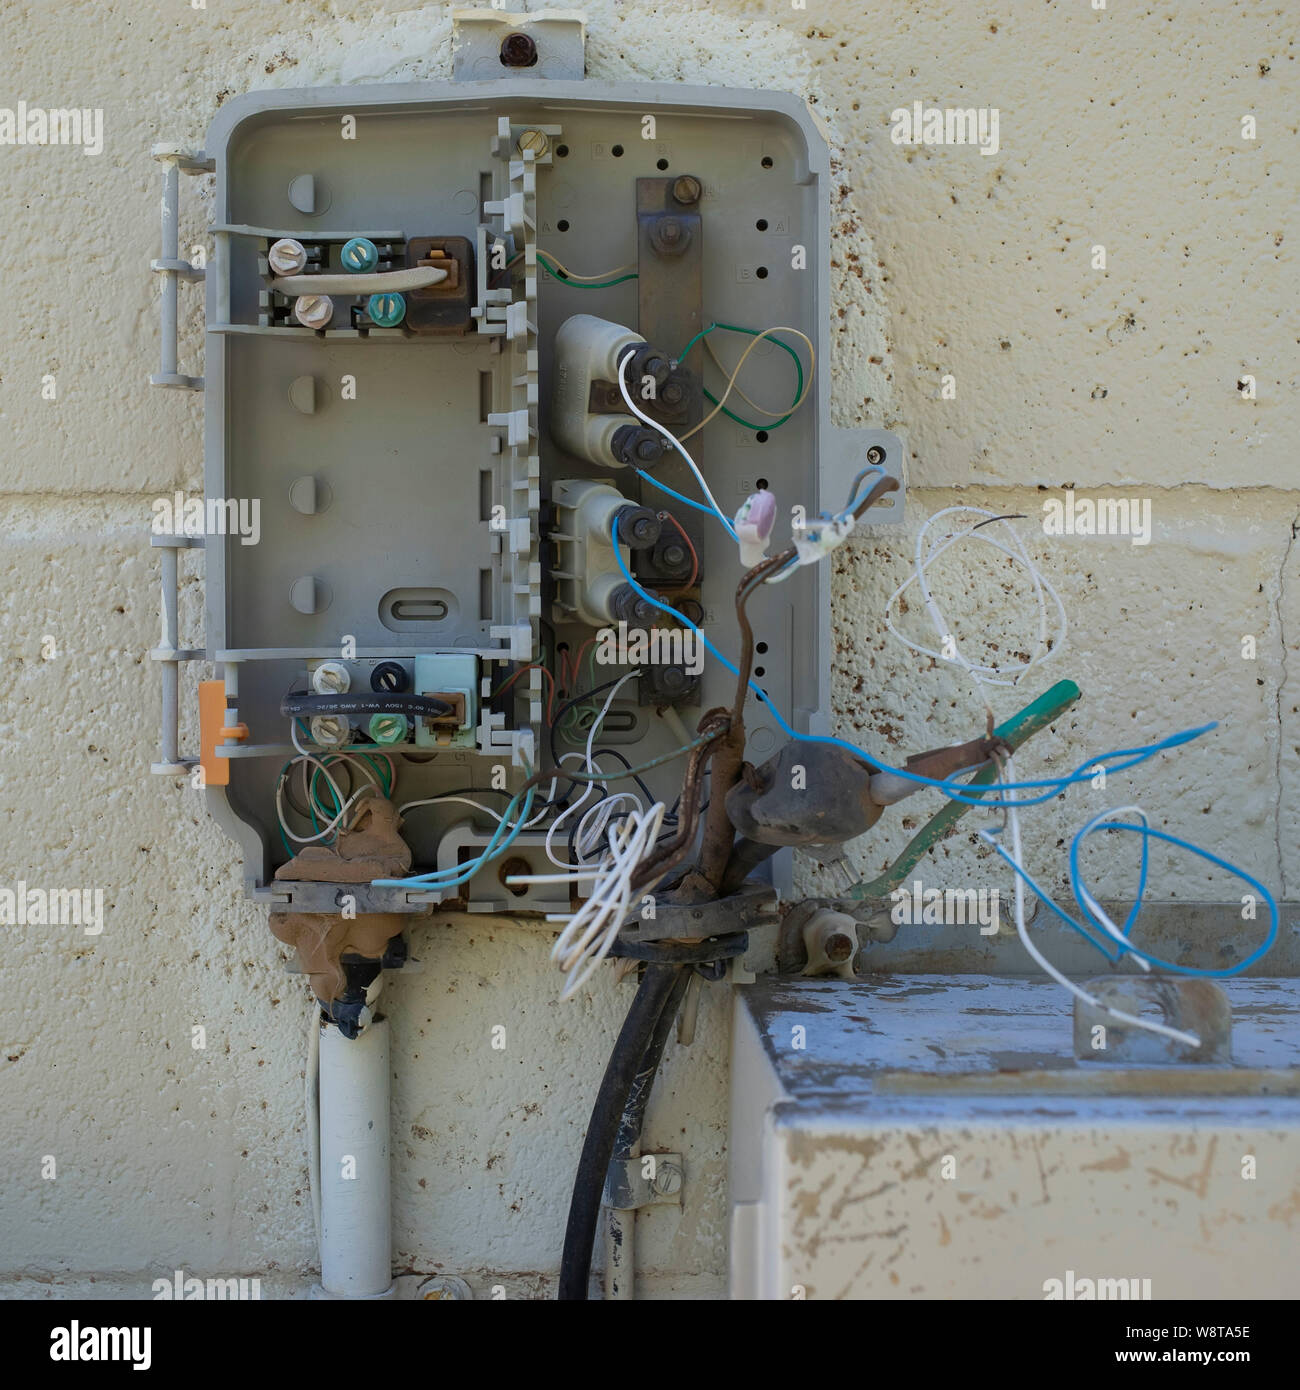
169,265
628,1188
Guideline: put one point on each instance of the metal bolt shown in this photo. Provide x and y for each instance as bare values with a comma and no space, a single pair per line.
669,236
875,454
518,51
687,189
667,1179
313,310
536,141
673,556
672,393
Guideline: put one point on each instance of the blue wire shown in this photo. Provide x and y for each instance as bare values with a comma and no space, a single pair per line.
451,878
1084,773
687,501
1147,833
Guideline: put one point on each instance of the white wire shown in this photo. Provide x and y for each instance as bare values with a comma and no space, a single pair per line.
673,440
355,762
592,769
981,674
993,675
1094,906
589,932
497,816
1013,824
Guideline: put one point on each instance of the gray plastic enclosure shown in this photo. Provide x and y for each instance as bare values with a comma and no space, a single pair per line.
405,480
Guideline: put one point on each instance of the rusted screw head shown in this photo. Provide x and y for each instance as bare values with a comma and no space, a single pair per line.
672,393
518,51
511,868
669,237
687,189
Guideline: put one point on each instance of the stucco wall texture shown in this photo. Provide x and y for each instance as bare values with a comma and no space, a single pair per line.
1119,127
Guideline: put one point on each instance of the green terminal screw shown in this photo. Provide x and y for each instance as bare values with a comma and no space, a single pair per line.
386,310
387,728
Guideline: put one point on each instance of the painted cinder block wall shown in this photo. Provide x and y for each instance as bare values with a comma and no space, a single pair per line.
1120,127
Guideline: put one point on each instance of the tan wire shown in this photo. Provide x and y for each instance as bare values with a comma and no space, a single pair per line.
572,275
731,380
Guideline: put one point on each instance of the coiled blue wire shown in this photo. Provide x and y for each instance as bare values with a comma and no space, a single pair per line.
1105,945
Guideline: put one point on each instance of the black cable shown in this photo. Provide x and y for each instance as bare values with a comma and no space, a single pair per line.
624,1067
632,1120
304,702
614,753
555,721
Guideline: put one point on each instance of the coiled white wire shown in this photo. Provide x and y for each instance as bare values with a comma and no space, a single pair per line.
589,932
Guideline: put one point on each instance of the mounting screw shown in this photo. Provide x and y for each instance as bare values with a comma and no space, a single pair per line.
667,1179
687,189
875,454
534,140
518,51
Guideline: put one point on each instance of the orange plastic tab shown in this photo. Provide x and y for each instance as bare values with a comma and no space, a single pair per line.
212,719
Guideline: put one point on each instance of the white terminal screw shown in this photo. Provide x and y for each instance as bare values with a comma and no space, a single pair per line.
314,310
331,678
329,730
287,256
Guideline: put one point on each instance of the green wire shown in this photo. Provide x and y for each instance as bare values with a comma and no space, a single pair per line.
574,284
753,333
